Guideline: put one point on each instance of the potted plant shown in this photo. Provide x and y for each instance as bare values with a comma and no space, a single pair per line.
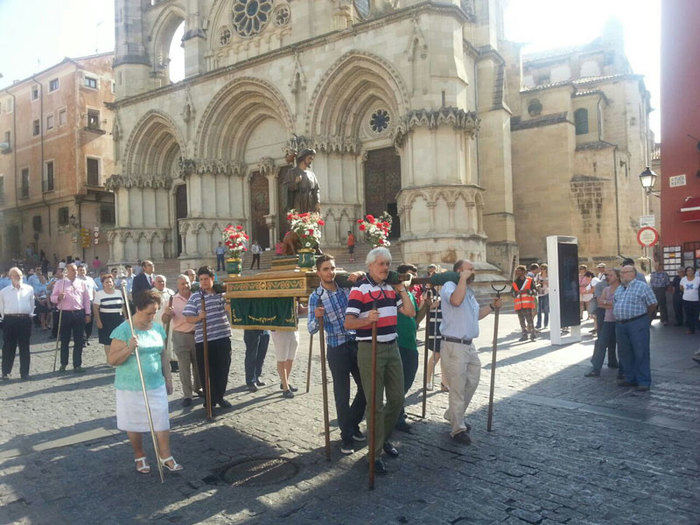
235,239
376,230
307,228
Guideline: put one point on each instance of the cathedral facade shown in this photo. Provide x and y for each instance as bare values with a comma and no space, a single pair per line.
413,107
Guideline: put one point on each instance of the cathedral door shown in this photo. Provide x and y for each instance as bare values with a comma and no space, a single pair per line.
382,185
180,212
259,207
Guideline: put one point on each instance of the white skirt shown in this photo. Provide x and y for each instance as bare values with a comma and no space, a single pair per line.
131,410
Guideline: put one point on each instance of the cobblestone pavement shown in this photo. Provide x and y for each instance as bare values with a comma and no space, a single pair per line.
564,449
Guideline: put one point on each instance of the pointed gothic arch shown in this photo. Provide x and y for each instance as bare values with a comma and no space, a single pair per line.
154,146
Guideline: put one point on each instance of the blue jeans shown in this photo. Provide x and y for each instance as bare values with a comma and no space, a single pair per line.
256,343
606,341
220,264
542,309
342,360
633,349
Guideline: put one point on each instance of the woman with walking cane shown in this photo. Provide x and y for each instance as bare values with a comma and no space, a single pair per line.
143,382
372,311
460,326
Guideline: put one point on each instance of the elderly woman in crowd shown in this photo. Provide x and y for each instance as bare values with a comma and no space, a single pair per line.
131,409
107,310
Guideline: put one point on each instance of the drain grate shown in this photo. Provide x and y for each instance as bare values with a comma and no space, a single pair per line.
257,472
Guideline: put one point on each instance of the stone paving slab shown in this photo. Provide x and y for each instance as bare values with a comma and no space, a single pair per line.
565,449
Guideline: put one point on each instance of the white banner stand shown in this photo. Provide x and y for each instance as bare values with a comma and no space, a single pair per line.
555,293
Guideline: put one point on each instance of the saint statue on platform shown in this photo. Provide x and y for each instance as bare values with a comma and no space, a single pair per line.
302,185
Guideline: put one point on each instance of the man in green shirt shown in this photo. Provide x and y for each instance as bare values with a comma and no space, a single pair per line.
406,328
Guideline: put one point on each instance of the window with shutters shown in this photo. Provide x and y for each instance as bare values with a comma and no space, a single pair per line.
24,184
581,121
49,122
53,85
93,119
36,127
91,82
47,180
63,216
62,119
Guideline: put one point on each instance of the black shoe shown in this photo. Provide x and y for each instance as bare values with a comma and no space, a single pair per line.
25,378
346,447
199,393
292,388
224,404
623,382
463,438
174,366
592,373
62,368
288,394
613,365
358,436
186,401
78,369
523,338
402,426
642,388
260,383
6,377
252,388
380,467
390,449
532,337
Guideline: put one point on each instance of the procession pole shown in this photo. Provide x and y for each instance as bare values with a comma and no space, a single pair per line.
207,379
373,403
425,356
143,384
58,337
324,384
308,367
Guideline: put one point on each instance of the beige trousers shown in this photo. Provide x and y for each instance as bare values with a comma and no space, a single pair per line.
183,344
463,369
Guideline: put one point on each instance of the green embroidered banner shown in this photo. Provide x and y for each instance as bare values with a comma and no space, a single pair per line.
269,313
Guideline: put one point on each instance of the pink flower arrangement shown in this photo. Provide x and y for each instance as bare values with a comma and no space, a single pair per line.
307,226
235,239
376,230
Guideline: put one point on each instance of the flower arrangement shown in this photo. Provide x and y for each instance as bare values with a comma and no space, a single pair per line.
376,230
235,238
307,227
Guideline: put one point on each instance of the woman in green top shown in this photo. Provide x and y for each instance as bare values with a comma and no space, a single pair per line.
406,328
131,409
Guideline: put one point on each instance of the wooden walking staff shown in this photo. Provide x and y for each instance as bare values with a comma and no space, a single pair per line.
143,384
373,400
207,380
495,344
324,383
308,367
58,336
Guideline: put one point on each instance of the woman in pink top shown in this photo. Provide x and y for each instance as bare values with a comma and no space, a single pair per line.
183,341
606,335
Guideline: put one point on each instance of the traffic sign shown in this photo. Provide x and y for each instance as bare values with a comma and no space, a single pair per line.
647,236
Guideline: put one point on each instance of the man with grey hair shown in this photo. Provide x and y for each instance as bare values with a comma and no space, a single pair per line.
72,296
460,326
159,284
371,301
16,310
634,306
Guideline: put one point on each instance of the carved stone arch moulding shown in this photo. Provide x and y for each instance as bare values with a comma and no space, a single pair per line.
331,90
230,103
465,121
166,23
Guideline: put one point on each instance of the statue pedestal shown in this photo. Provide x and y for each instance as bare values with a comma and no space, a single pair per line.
283,263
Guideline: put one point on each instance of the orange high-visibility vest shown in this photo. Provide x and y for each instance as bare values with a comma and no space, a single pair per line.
523,299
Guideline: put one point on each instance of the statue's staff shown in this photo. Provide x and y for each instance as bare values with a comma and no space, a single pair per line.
426,345
143,384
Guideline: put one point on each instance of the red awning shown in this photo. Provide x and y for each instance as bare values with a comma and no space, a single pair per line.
690,210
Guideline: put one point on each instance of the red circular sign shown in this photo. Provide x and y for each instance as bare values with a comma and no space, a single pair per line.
647,236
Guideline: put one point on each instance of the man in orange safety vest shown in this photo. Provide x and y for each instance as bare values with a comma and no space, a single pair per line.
524,299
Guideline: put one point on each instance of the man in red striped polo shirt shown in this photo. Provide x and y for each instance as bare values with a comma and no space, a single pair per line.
370,300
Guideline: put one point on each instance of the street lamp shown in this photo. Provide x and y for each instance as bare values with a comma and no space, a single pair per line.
648,179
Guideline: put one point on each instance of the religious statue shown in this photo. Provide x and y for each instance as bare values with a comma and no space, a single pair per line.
302,185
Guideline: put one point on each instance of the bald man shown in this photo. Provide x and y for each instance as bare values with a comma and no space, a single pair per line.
16,309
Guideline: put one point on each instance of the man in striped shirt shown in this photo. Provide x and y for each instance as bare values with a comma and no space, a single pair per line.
372,300
329,301
218,334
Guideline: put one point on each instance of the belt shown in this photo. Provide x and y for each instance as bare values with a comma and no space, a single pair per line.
457,340
623,321
17,315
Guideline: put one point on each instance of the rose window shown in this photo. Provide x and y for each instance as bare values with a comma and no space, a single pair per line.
379,120
251,16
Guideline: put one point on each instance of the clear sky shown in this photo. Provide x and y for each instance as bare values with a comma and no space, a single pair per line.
34,34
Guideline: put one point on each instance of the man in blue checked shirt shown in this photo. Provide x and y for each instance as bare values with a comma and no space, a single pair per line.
634,306
329,301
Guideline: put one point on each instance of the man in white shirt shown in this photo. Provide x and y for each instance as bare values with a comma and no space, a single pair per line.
159,282
91,287
17,310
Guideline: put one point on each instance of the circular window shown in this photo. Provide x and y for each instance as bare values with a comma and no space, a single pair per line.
251,16
379,120
534,108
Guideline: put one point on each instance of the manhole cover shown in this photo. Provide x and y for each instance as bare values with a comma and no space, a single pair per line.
257,472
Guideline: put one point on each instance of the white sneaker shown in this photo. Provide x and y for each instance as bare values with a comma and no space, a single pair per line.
429,386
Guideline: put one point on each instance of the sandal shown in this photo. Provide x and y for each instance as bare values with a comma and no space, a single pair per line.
443,388
176,466
143,467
